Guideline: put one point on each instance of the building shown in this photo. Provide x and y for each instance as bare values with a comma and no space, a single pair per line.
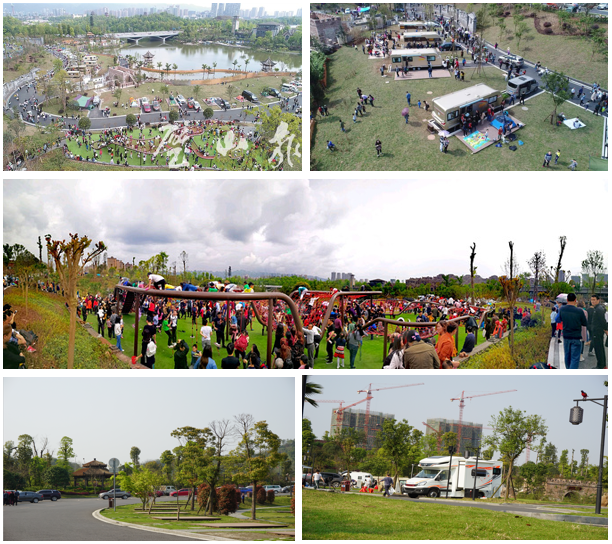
355,419
261,12
333,276
232,9
213,10
471,433
90,60
262,28
299,12
111,262
327,28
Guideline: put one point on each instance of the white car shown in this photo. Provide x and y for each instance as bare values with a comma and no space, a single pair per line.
275,488
602,7
144,100
196,105
181,99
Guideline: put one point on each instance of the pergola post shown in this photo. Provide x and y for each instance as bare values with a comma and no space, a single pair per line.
385,341
271,304
227,319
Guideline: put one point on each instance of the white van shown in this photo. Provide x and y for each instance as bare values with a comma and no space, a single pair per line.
288,88
359,477
521,85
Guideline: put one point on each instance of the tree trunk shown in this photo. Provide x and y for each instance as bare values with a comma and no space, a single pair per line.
71,334
254,501
508,478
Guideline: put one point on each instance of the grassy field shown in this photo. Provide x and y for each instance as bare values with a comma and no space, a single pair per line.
572,55
222,162
20,65
406,146
48,318
332,516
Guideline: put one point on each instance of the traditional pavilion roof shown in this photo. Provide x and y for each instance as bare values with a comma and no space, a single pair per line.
95,463
148,55
268,62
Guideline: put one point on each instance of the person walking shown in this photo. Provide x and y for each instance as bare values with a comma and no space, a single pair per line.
408,98
316,479
557,155
387,482
599,328
342,125
378,147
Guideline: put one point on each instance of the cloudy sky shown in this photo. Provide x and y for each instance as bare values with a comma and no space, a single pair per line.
378,228
547,396
117,413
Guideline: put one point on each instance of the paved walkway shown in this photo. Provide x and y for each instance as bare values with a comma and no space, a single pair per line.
556,355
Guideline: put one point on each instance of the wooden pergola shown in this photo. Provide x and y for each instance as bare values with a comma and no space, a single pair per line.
94,470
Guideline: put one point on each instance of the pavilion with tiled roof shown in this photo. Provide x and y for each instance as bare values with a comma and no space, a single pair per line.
94,470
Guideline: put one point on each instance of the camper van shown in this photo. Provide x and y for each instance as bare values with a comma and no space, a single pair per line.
436,476
424,38
448,109
413,26
416,59
522,85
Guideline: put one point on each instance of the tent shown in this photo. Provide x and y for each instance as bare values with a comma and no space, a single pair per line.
83,101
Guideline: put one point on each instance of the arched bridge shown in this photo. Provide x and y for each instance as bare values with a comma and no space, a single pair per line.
137,36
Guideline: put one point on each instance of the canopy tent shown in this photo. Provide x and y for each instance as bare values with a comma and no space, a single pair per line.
83,101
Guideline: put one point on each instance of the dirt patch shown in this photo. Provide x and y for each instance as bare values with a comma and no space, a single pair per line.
550,25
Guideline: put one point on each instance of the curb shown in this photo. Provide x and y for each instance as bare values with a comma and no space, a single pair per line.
97,515
583,520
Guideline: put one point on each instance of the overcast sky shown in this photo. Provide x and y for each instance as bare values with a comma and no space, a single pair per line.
547,396
378,228
105,417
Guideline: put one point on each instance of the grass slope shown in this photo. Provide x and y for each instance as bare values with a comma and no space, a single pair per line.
332,516
406,147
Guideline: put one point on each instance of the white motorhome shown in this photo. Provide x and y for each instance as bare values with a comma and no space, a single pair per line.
435,477
416,59
424,38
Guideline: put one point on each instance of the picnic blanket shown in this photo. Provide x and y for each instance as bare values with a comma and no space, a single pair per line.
570,123
476,140
241,98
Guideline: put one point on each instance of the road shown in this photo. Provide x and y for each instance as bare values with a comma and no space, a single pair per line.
71,519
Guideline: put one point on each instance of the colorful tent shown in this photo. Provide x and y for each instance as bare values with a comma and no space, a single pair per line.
83,101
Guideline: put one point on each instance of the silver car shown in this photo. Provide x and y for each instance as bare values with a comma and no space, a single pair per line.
118,494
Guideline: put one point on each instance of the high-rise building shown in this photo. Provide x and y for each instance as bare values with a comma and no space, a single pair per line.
471,433
261,12
221,9
253,13
232,9
299,12
213,10
355,419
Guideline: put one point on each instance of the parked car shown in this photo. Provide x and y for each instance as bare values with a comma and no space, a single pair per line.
449,46
275,488
180,99
51,494
273,92
196,105
167,489
155,105
29,496
331,479
248,95
144,102
118,494
224,104
514,60
180,492
246,489
288,489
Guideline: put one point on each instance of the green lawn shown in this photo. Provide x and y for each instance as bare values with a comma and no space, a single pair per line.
333,516
406,146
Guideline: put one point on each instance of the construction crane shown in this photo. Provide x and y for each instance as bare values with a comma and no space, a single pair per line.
439,432
340,411
340,402
462,406
369,397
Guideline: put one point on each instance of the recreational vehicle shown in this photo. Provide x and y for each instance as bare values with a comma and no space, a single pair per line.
522,85
448,109
436,476
416,59
413,26
423,38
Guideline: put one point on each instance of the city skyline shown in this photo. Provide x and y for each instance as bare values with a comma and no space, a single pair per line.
302,227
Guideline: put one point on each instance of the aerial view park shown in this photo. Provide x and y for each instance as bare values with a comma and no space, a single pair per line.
484,461
506,86
88,284
125,87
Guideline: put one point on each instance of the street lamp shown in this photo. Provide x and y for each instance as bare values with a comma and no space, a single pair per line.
475,449
451,450
576,414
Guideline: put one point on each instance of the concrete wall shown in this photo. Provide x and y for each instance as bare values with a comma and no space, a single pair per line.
557,488
9,88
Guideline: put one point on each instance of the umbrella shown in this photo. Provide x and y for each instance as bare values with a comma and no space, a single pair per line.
444,133
405,112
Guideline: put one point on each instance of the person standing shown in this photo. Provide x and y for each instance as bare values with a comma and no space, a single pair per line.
378,146
354,341
387,482
309,336
573,319
599,328
557,155
118,333
547,159
316,479
206,333
408,95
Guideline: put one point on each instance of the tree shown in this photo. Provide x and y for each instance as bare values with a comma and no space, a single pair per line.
534,476
537,264
65,452
564,466
25,266
347,441
184,256
167,460
513,431
219,431
521,30
511,284
310,389
584,461
208,113
141,483
84,123
400,444
57,476
70,260
562,244
256,453
557,85
173,116
135,456
13,480
130,119
594,266
450,441
472,270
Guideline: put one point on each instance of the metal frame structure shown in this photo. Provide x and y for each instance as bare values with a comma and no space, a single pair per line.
228,297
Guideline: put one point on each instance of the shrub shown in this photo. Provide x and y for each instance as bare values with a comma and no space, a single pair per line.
173,116
260,495
84,123
208,113
595,27
548,31
270,496
203,493
227,499
130,119
60,111
293,502
547,24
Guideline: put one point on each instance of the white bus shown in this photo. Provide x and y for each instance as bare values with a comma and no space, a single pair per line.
448,109
416,59
413,26
436,476
431,39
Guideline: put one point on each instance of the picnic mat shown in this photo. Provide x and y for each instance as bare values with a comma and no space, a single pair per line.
476,140
570,123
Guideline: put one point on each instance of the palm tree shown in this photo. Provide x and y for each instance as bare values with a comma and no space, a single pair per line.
196,91
308,390
159,67
168,70
234,63
174,67
204,67
214,65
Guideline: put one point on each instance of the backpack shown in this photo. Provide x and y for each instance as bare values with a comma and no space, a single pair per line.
242,342
151,349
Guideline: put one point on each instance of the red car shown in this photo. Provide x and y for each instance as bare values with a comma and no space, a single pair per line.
180,492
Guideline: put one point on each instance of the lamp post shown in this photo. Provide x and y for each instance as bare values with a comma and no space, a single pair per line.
475,449
451,450
576,419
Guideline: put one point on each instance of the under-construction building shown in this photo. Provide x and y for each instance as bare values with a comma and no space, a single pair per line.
355,419
471,433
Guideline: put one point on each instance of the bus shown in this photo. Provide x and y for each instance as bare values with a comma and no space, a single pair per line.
430,39
416,59
413,26
448,109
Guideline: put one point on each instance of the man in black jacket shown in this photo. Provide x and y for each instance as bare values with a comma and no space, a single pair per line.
573,320
599,327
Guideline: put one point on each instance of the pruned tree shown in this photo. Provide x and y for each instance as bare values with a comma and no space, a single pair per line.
348,440
594,266
70,260
513,431
472,270
135,456
511,285
399,443
65,452
211,473
537,264
562,243
184,256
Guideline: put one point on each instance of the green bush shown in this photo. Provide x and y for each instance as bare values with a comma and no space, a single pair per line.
208,113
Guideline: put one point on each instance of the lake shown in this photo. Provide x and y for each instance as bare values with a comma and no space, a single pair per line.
191,57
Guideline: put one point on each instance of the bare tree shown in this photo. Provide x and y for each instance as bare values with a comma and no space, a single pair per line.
511,285
184,256
537,264
472,269
562,242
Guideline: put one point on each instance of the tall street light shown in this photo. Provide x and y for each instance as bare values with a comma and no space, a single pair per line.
576,419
